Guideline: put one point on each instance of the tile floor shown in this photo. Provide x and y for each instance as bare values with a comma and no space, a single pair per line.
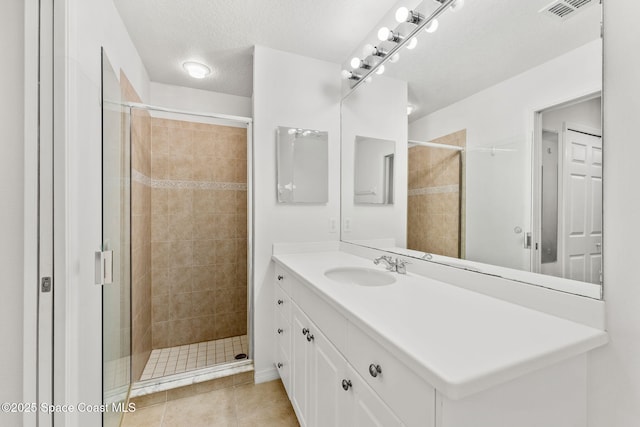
183,358
248,405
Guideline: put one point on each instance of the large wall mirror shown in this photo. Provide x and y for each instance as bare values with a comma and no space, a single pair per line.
496,119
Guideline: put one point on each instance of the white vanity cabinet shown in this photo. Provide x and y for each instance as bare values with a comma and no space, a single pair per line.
324,388
341,363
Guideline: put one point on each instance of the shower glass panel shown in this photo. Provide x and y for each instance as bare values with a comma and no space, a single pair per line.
116,226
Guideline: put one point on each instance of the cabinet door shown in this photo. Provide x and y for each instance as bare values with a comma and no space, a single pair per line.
368,409
331,403
301,360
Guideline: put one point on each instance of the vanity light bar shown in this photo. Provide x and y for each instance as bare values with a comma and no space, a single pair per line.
400,42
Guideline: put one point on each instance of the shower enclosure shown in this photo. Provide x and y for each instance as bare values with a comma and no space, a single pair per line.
175,216
435,208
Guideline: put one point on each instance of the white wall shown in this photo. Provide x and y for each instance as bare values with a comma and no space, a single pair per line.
89,25
614,370
294,91
198,100
587,113
498,193
376,110
11,205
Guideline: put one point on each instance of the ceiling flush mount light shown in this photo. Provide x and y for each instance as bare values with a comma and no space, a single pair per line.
196,69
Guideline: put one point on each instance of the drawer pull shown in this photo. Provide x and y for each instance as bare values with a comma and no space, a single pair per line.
309,337
280,302
374,370
279,365
346,384
280,330
280,277
305,331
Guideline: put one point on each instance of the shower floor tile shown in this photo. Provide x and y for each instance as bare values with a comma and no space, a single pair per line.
183,358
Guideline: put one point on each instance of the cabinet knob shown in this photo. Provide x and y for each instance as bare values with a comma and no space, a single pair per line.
374,370
279,365
280,330
280,302
346,385
280,277
309,337
305,331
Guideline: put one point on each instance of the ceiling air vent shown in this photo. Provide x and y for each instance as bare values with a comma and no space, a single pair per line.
565,9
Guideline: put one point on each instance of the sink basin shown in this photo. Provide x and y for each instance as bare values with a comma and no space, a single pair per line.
360,276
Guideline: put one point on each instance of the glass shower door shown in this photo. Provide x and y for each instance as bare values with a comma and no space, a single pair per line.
115,259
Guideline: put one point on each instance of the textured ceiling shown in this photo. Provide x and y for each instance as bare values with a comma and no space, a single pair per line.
486,42
483,44
221,34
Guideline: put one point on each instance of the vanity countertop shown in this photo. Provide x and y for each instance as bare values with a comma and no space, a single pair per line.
459,341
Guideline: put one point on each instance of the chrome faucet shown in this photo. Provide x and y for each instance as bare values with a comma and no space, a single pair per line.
399,265
387,261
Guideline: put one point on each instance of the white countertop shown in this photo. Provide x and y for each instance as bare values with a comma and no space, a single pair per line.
459,341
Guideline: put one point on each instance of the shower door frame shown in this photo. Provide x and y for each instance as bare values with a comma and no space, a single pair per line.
248,124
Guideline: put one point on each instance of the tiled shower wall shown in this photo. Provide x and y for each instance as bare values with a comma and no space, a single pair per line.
433,223
198,232
140,232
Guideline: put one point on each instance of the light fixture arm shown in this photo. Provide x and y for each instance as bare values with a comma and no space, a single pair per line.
444,4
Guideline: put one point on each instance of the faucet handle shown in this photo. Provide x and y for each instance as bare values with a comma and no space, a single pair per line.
401,265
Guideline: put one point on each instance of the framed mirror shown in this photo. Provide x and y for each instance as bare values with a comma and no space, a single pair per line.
302,164
373,171
498,159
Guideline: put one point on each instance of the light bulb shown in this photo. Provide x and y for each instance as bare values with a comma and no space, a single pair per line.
291,131
196,69
412,43
346,74
409,109
394,58
368,79
368,50
383,34
356,63
456,5
402,14
431,26
380,70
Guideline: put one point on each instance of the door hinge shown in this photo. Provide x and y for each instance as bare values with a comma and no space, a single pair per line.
45,284
104,267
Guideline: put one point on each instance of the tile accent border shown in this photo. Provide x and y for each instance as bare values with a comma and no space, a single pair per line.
454,188
186,185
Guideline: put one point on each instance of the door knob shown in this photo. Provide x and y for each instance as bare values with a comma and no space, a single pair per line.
280,330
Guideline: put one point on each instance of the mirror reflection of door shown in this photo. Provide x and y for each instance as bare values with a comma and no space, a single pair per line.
570,197
374,171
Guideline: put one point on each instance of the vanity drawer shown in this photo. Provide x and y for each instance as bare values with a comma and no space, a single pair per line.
410,397
282,302
283,336
282,279
283,365
332,324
